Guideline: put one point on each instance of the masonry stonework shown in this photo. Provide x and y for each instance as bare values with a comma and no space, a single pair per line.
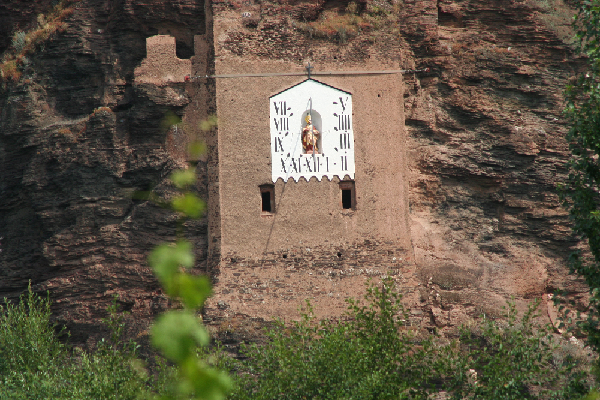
161,65
309,234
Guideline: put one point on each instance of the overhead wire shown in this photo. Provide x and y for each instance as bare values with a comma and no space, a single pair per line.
330,73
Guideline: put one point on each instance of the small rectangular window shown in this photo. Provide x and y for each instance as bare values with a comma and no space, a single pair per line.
346,199
267,196
348,195
266,201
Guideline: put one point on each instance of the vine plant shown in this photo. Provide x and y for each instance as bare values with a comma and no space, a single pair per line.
179,333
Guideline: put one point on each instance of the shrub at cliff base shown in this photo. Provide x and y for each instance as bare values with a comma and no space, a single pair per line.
371,355
34,364
368,355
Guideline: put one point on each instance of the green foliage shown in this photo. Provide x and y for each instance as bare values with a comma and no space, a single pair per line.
27,339
367,355
184,178
169,119
370,354
189,204
179,334
206,125
515,360
581,192
35,365
350,359
593,395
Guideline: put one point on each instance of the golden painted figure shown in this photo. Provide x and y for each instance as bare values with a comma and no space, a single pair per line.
310,137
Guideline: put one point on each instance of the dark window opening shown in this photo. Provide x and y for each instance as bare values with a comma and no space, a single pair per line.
346,199
183,50
266,201
267,196
348,195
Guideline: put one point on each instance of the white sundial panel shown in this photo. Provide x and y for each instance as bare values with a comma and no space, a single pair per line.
331,112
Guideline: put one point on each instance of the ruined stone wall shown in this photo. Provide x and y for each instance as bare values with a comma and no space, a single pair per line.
277,283
161,64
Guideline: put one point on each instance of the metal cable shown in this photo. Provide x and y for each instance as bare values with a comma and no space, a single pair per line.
269,74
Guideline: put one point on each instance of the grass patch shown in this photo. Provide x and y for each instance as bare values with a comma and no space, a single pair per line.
342,25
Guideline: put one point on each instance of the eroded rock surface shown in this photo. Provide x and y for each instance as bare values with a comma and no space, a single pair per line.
78,137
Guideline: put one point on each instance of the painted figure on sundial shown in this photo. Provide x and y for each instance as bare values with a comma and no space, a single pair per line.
310,137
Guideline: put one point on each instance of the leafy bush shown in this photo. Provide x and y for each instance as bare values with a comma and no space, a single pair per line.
371,355
34,364
360,358
367,355
516,359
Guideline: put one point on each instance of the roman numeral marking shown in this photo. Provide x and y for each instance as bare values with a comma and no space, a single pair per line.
295,167
342,103
343,122
281,107
344,163
307,164
281,124
278,145
344,141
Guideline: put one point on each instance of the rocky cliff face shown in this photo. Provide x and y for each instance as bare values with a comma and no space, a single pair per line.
488,150
77,139
78,136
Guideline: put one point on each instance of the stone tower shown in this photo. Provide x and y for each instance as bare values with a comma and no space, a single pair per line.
288,222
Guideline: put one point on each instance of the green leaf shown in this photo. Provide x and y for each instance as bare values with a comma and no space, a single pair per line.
209,123
206,382
193,290
183,178
169,120
197,149
177,334
166,259
190,205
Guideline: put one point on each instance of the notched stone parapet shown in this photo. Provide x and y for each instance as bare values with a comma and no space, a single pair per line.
161,65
